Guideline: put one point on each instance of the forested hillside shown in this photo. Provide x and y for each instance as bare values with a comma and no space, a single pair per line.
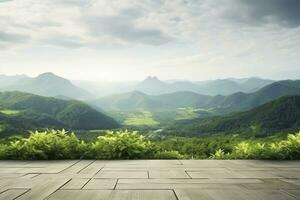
278,115
23,111
222,104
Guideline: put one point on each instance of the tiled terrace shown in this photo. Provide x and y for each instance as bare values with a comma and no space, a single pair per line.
150,180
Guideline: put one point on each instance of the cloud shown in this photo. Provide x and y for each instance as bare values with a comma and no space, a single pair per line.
123,28
46,23
186,34
65,41
13,37
120,22
258,12
1,1
9,40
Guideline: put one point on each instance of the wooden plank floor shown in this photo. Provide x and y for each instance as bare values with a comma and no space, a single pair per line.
150,180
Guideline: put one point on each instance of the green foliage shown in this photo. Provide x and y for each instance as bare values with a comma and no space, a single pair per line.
288,149
3,150
219,155
168,155
187,113
54,144
23,111
9,112
282,114
291,147
200,147
141,119
122,145
47,145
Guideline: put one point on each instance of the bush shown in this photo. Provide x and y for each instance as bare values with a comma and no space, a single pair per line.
288,149
291,147
3,151
122,145
220,155
54,144
50,144
168,155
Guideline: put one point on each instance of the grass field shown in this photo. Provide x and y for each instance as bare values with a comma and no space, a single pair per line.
191,113
154,119
9,112
141,119
186,113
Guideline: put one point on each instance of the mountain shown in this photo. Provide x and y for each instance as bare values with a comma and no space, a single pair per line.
182,99
152,86
222,87
20,110
221,104
278,115
253,84
127,101
232,85
6,81
48,84
244,101
136,100
183,86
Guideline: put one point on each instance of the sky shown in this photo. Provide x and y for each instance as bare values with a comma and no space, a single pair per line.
131,39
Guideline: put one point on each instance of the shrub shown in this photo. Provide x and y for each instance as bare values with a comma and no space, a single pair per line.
168,155
55,144
3,151
288,149
50,144
123,145
220,155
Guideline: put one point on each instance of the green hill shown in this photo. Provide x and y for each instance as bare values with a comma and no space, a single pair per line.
127,101
20,110
154,86
278,115
133,101
222,104
244,101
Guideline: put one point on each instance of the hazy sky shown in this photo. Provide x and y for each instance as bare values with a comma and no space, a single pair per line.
130,39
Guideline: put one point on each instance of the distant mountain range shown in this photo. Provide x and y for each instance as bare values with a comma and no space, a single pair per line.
236,102
49,84
136,100
277,115
26,111
46,84
244,101
154,86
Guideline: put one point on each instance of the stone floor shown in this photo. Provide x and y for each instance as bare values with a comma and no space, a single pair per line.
150,180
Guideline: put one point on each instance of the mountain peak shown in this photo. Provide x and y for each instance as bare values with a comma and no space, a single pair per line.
151,78
152,85
47,74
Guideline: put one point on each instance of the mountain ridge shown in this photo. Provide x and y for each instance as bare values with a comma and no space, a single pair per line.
48,84
224,104
34,111
278,115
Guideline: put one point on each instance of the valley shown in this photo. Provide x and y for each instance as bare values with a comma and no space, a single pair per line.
183,112
181,123
150,100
